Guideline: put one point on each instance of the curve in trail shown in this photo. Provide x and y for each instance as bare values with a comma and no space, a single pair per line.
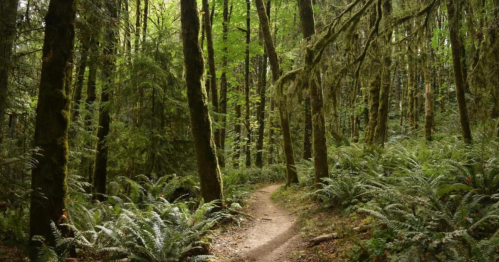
273,234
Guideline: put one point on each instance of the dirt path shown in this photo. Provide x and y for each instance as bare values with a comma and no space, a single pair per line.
271,236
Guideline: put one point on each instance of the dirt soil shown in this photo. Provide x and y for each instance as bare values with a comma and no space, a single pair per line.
270,237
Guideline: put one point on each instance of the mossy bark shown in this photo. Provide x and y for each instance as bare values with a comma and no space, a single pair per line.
454,12
8,11
211,64
316,101
208,169
283,114
52,123
380,133
374,92
108,72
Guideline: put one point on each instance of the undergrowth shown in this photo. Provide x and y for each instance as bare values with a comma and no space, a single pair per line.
427,201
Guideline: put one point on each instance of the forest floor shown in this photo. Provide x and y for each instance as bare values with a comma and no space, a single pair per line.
270,235
284,220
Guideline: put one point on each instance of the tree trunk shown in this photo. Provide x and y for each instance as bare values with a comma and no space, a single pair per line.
144,23
208,170
8,11
211,64
52,123
108,71
274,65
88,162
262,88
307,130
247,84
137,26
223,83
316,100
429,111
374,92
380,133
80,79
454,11
308,30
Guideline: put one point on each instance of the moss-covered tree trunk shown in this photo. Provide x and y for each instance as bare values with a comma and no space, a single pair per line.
52,123
316,101
208,170
454,13
8,11
211,64
283,114
374,90
108,73
380,133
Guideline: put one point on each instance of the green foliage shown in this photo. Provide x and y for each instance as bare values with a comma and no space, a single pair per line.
429,201
160,231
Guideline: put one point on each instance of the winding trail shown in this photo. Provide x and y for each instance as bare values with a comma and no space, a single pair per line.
272,235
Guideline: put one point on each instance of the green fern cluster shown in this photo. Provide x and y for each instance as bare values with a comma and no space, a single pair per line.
440,201
160,232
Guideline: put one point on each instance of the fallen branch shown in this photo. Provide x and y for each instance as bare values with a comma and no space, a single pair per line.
240,213
320,239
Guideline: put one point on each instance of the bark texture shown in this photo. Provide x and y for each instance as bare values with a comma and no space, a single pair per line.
318,121
208,170
384,103
211,64
454,12
8,10
52,122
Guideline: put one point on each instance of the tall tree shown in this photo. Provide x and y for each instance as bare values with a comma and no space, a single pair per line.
108,72
454,13
316,100
223,81
208,170
211,64
8,11
380,133
52,121
262,88
247,84
283,113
